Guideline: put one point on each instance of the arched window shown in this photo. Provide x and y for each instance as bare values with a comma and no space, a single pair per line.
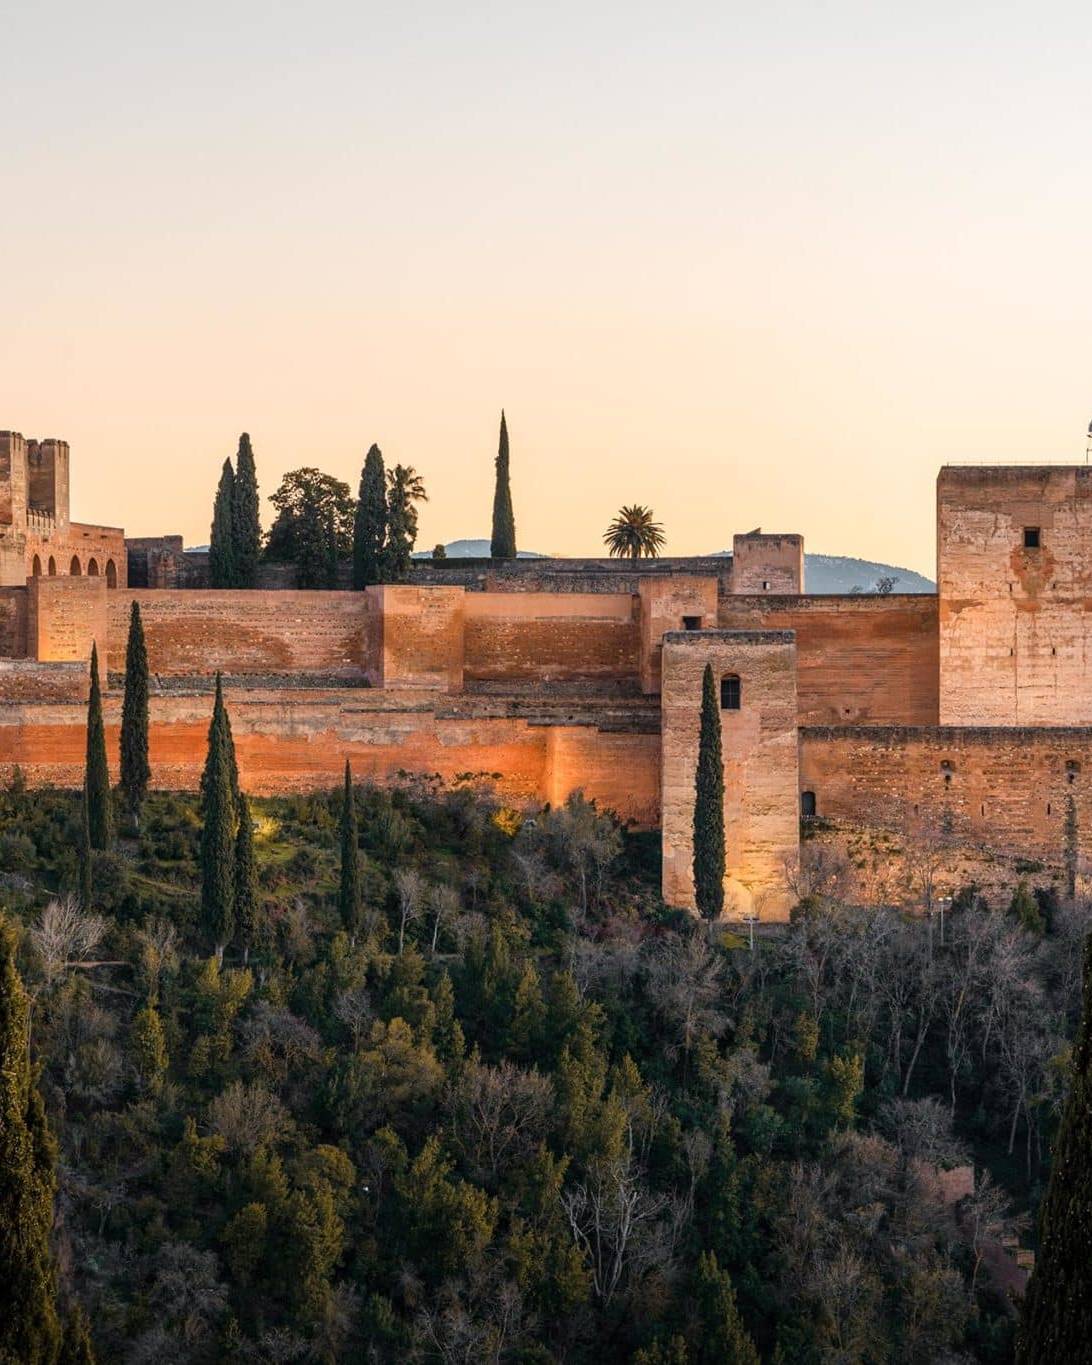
807,805
74,568
36,567
52,567
730,692
111,574
92,567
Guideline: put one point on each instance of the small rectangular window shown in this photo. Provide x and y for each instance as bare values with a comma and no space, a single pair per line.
729,692
691,623
1031,537
765,585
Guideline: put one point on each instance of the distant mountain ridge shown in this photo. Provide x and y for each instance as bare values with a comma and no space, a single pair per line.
822,573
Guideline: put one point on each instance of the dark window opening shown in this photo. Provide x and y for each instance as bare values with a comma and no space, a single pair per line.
765,585
691,623
807,805
1031,537
729,692
1048,807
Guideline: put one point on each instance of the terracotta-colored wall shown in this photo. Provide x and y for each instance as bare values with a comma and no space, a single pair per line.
666,603
1004,788
860,659
298,741
550,637
27,680
417,639
192,633
767,563
1015,623
759,744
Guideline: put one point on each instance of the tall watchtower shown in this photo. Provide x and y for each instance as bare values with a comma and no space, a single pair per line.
47,480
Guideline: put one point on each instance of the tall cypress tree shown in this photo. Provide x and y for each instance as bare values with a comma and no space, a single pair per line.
1057,1318
85,853
96,773
76,1348
135,772
246,517
370,524
349,896
709,806
218,803
331,552
30,1331
246,880
503,544
222,565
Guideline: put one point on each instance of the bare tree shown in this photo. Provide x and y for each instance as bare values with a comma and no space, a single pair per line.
410,886
444,903
65,935
685,985
248,1117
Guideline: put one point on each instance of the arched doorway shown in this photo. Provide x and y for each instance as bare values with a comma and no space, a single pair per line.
74,568
111,574
92,567
36,567
52,567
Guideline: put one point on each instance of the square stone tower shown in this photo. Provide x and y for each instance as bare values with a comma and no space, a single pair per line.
47,480
755,675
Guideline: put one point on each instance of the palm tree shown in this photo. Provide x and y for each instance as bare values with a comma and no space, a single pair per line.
634,533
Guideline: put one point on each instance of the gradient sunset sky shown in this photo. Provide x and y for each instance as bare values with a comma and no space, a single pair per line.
764,265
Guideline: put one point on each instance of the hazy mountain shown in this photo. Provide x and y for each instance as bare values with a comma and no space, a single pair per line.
473,549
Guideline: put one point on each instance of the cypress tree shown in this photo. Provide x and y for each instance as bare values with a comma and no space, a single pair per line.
96,772
222,565
245,517
246,880
30,1331
724,1338
135,772
349,896
218,802
370,523
709,806
503,544
85,853
76,1348
1057,1317
331,552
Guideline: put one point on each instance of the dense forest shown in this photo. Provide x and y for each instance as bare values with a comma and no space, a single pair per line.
509,1108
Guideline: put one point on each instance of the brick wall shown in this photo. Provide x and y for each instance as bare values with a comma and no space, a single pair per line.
13,623
245,632
767,563
551,637
759,743
416,638
26,680
860,659
64,617
668,603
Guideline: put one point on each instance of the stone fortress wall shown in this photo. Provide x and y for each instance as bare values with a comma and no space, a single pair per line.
549,677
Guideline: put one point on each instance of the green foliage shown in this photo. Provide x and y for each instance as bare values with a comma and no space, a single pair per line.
405,489
370,521
1025,908
30,1331
349,895
634,534
223,569
149,1046
723,1339
315,515
246,528
503,543
1057,1318
709,806
218,820
135,771
76,1348
96,782
246,878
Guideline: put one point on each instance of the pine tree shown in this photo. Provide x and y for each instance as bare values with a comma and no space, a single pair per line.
222,566
1057,1317
370,524
349,897
246,880
30,1331
709,807
723,1337
218,802
503,544
135,771
76,1348
245,518
149,1046
97,773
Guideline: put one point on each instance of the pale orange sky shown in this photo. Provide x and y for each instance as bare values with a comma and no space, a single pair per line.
753,266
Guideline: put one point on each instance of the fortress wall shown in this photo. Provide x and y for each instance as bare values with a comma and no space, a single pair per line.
1015,622
13,623
869,660
759,745
1003,789
236,632
65,616
767,563
298,741
27,680
551,637
671,603
418,637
